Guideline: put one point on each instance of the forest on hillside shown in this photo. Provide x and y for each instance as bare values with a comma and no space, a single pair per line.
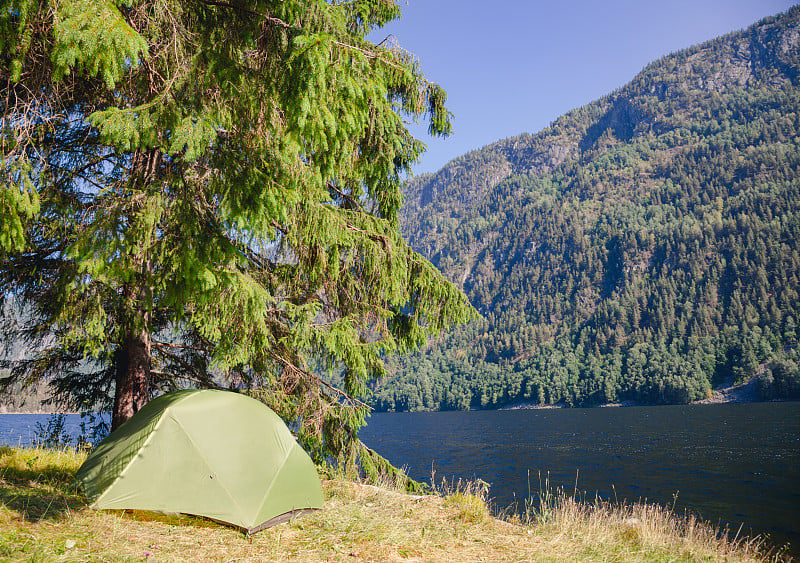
643,247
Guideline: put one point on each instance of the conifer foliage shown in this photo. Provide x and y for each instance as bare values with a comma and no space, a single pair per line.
206,193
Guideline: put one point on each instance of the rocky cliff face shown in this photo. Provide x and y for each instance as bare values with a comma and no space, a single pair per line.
676,86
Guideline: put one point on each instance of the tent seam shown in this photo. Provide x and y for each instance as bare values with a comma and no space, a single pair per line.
209,465
150,435
275,479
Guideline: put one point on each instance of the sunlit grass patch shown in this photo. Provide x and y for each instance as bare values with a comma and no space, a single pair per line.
468,497
471,508
56,466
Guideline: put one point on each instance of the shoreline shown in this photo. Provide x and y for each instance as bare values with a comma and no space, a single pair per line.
728,392
360,522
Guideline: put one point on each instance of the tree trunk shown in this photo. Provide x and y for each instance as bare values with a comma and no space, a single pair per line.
132,358
132,361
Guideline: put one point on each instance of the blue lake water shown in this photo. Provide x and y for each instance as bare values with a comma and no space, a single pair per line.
21,429
732,464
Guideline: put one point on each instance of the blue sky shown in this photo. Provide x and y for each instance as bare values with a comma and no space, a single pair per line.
514,66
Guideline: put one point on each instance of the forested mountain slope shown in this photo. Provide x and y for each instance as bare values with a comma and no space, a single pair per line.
643,247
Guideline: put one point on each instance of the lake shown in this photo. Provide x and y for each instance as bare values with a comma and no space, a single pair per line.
21,429
732,464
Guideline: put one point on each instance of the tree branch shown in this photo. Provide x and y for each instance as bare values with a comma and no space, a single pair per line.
208,383
348,197
289,365
274,21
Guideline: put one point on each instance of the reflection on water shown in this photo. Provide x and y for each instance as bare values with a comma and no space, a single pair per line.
731,464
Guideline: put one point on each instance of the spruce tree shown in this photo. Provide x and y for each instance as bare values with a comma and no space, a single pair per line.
206,193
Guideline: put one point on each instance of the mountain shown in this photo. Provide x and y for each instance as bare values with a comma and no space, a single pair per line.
642,248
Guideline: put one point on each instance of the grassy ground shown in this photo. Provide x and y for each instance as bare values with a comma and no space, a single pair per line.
43,517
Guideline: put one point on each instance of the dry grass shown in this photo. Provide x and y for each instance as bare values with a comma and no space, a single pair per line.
602,531
44,518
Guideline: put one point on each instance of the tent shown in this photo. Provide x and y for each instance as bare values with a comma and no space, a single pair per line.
208,453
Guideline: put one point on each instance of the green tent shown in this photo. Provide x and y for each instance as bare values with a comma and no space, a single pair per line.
217,454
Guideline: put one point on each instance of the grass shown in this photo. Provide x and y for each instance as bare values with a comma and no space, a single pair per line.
43,517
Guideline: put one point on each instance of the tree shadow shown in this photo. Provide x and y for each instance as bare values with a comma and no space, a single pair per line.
170,518
39,495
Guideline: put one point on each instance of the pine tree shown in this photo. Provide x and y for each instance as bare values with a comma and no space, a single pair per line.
205,193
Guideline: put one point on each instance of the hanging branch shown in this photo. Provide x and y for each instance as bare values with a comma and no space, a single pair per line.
321,382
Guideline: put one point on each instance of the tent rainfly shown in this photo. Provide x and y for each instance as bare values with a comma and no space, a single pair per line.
216,454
